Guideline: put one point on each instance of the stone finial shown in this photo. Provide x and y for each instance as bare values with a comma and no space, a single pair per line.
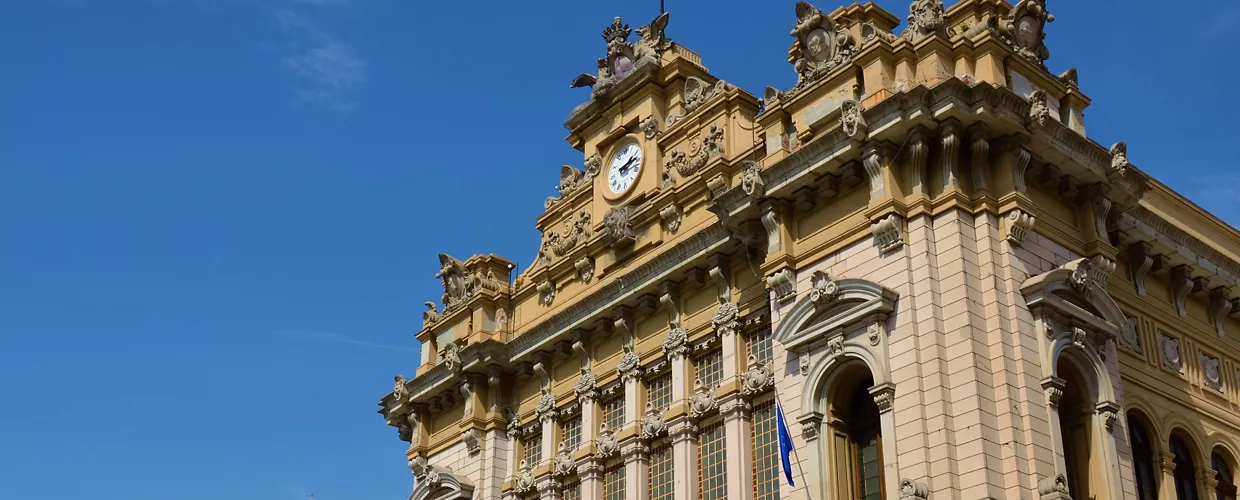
925,18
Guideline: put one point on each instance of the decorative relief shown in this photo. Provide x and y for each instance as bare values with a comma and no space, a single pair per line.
875,333
1119,158
564,464
456,287
703,400
1181,285
835,346
771,98
1211,375
1128,335
925,17
585,269
623,57
852,121
870,32
473,440
650,127
782,283
671,215
1039,112
1171,352
1023,29
618,226
525,477
888,232
512,424
585,388
751,180
572,180
431,315
1070,78
676,345
400,390
1220,305
419,467
1017,224
546,407
546,292
576,232
450,356
701,150
605,445
629,367
803,364
823,289
1140,263
726,320
1053,488
1109,411
698,92
913,490
821,45
653,425
759,376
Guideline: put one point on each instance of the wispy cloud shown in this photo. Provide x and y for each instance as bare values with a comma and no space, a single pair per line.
330,70
336,338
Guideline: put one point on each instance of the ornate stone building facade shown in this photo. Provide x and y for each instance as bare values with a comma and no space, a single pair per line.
916,251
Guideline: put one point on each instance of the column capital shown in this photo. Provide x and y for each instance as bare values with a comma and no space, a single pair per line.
682,429
733,407
1167,461
589,468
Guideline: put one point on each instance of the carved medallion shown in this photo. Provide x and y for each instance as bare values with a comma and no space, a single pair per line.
1128,336
605,445
564,464
726,320
823,289
821,45
1171,353
925,17
653,425
1210,374
1023,29
702,401
676,345
525,477
759,376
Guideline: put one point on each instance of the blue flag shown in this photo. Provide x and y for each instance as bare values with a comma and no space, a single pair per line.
785,443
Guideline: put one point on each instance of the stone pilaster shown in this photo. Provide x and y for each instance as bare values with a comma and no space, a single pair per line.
590,471
684,433
736,425
636,469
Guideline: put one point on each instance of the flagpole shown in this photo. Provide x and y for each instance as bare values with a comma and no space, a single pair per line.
800,468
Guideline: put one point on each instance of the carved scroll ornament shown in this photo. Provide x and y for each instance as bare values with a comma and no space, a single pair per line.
821,45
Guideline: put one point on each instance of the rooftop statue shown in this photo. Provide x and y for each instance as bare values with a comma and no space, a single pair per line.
623,57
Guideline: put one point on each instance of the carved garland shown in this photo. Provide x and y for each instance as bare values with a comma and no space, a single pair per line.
700,151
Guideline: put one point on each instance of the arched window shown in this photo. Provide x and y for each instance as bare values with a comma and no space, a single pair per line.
856,438
1076,412
1142,459
1185,470
1226,489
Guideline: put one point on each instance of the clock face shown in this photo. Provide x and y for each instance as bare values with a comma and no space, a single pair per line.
624,168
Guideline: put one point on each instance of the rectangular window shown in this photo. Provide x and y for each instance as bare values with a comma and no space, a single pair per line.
613,411
661,471
571,428
758,343
765,452
712,463
659,391
708,367
572,490
531,447
613,481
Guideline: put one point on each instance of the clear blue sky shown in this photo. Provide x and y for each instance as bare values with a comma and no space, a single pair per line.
219,218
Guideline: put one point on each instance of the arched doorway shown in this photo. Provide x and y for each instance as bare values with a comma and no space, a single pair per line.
1076,417
855,445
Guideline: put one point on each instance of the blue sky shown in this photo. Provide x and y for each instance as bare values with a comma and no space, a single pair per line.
220,217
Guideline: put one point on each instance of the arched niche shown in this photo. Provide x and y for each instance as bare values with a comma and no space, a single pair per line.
838,334
442,485
1077,321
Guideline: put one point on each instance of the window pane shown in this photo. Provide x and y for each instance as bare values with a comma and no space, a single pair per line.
709,367
661,472
572,491
659,391
613,411
572,432
758,343
765,452
613,481
712,463
532,446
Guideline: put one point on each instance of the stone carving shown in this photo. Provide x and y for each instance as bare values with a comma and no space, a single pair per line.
671,215
703,400
576,231
1039,112
455,282
803,364
1128,336
1171,353
525,477
467,393
888,232
1109,411
823,289
585,269
473,440
1210,373
585,388
1079,279
431,315
546,292
821,45
605,445
653,425
450,356
676,345
671,120
1181,285
782,283
1054,488
700,151
650,127
400,391
1140,263
618,226
925,17
623,57
564,464
751,179
1023,29
418,466
771,222
1079,336
698,92
759,376
1220,305
629,367
870,32
851,119
512,423
913,490
572,180
875,333
950,141
772,98
1017,226
546,407
1119,157
835,346
726,320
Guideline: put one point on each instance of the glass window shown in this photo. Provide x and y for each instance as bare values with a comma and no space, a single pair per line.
758,343
712,463
1185,470
1226,489
572,490
613,481
532,448
661,472
659,391
572,431
1142,460
613,411
765,451
708,367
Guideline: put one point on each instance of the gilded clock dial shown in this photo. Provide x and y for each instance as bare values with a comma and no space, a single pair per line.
624,168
